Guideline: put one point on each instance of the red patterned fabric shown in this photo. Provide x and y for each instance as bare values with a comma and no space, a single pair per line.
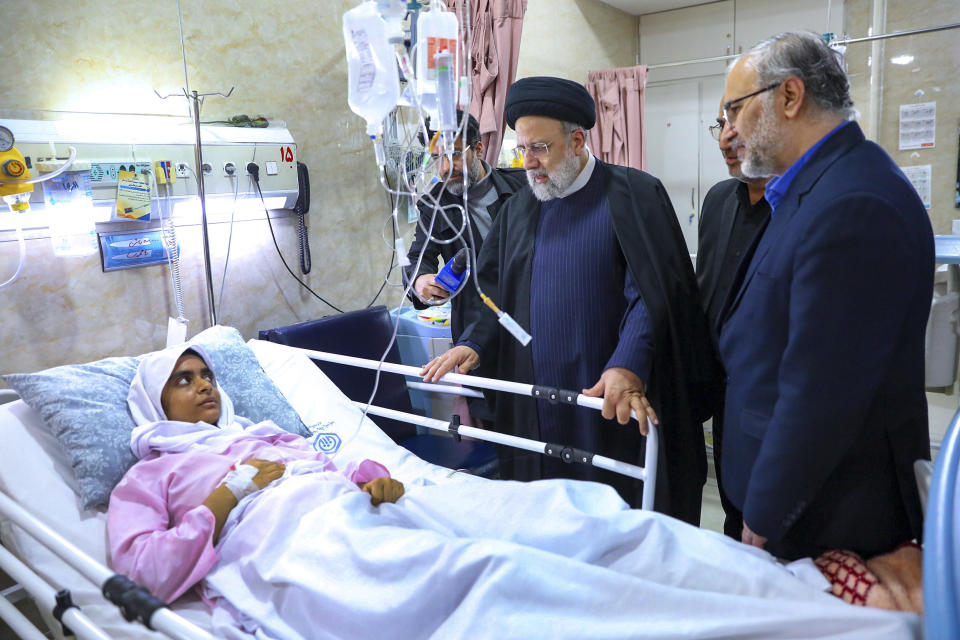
849,577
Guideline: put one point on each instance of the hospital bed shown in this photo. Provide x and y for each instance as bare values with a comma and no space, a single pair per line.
36,473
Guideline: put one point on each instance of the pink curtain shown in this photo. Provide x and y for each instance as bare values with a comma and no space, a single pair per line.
617,137
495,46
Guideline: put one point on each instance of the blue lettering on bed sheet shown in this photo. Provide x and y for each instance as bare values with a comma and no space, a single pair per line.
323,440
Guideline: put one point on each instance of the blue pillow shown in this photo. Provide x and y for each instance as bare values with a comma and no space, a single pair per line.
86,407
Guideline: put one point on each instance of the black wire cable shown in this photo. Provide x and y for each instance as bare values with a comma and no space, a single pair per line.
255,173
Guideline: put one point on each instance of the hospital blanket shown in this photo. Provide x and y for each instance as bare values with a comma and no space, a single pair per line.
311,558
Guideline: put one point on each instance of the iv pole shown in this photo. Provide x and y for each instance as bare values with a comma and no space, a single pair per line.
197,102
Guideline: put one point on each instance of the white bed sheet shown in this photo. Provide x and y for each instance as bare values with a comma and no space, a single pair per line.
37,475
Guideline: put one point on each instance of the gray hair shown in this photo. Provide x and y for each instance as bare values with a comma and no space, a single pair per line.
570,127
804,54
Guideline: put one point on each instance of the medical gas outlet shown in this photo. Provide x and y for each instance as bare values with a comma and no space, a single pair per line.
13,166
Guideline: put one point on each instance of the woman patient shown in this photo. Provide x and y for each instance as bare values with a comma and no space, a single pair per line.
284,545
197,461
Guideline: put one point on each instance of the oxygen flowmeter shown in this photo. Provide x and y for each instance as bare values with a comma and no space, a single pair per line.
13,167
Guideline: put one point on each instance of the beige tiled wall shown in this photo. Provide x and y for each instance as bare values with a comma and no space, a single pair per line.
287,63
569,38
933,71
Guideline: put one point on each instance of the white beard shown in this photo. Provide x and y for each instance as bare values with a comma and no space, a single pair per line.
558,181
760,159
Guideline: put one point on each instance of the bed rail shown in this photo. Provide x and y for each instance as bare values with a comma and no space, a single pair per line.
46,597
647,473
162,619
537,392
941,542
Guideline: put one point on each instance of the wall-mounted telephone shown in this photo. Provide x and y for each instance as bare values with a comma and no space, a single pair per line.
301,208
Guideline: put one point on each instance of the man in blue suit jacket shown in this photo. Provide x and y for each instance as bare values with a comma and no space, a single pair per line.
823,344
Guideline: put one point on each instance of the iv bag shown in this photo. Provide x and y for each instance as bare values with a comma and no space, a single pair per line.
436,31
393,12
373,82
69,202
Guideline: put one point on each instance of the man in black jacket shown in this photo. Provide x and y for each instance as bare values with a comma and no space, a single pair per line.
487,189
732,220
590,259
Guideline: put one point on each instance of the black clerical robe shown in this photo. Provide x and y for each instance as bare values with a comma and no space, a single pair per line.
655,253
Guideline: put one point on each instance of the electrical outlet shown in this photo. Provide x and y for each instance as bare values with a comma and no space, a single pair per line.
207,168
183,170
229,169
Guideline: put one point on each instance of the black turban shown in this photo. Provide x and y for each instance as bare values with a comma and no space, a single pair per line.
556,98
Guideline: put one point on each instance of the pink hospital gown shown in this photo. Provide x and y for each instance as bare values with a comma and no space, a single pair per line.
159,534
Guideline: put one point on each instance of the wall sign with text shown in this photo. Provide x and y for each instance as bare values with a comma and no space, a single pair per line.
132,249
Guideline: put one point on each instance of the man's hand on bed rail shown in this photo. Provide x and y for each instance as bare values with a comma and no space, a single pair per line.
383,490
460,359
623,390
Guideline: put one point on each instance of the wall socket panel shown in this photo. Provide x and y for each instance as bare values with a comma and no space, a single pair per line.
183,170
105,173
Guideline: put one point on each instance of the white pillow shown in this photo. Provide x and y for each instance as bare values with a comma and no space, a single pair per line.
334,421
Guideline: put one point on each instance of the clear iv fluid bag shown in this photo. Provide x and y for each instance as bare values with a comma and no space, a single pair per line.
373,82
446,119
436,31
393,12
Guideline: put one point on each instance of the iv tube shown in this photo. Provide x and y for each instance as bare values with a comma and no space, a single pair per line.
446,91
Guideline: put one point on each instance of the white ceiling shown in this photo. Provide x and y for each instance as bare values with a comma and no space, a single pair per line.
639,7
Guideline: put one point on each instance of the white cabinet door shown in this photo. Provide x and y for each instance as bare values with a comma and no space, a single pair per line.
760,19
704,31
712,167
680,150
672,117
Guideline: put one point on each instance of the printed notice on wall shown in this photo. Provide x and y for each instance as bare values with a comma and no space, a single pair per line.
918,125
920,177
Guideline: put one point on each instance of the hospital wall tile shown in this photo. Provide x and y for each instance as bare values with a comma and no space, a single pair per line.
569,38
929,77
287,64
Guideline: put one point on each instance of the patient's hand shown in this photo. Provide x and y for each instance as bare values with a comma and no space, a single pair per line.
267,471
383,490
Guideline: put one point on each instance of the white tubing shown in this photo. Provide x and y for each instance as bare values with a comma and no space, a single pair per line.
451,378
162,620
444,388
45,597
23,255
47,176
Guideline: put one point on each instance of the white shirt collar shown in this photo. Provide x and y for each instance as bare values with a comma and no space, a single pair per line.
583,178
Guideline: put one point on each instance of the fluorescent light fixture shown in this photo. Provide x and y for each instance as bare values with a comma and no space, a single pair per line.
904,59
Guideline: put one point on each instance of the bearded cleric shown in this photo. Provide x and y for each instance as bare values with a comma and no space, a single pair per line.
592,262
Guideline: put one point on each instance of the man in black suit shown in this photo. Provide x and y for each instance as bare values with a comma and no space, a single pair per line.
733,218
487,189
823,344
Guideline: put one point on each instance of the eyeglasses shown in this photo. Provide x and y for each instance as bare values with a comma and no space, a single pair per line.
729,116
534,150
456,154
716,130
